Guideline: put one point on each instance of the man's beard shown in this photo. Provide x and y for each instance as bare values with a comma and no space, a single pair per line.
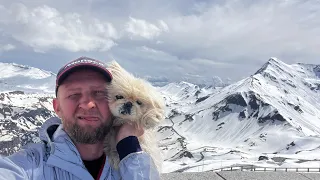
88,134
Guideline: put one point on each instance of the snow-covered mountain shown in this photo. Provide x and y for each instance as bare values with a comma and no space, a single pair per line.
271,115
25,102
20,116
15,77
267,119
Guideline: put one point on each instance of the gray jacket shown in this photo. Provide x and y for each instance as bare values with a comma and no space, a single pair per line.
58,159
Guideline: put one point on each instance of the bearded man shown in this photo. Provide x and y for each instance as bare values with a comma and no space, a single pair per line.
72,143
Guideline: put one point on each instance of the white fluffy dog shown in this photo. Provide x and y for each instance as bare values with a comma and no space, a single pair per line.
132,99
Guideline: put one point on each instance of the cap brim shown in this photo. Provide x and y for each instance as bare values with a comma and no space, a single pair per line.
63,75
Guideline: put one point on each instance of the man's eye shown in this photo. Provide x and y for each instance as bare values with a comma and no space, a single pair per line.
100,93
74,95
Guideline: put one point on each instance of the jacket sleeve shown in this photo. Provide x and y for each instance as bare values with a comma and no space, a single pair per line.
134,163
23,164
10,170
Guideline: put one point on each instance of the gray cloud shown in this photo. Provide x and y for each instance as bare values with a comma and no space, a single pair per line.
177,40
7,47
45,28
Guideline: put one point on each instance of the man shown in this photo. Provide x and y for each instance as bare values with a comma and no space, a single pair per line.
72,147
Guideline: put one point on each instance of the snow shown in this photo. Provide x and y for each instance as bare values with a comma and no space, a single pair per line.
234,141
4,138
14,77
274,113
13,70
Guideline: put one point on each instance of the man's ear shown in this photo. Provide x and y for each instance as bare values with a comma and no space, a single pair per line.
56,106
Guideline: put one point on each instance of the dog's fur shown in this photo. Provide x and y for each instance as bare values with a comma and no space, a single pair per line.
132,99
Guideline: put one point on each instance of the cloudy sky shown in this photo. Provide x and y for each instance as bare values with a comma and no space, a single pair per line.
163,39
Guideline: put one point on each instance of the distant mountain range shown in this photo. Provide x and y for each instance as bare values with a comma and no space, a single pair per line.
15,77
268,119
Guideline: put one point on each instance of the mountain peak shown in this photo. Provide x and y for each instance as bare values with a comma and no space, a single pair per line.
20,66
274,60
184,83
273,64
8,70
25,78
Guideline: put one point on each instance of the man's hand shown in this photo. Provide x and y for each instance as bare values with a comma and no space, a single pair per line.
128,129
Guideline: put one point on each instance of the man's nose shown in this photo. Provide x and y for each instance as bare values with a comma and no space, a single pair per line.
87,102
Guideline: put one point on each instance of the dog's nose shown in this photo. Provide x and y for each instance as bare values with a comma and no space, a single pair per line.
128,105
126,108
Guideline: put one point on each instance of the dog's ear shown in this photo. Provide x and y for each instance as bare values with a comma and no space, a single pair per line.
156,113
152,118
117,71
114,66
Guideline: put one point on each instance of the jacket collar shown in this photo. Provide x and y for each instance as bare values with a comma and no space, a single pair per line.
58,141
62,152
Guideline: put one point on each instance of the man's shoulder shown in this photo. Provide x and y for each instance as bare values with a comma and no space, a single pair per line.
37,147
41,149
33,153
24,163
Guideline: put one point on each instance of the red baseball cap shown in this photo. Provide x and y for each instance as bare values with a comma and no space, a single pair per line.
82,63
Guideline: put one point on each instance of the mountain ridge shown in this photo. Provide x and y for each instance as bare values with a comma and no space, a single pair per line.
272,113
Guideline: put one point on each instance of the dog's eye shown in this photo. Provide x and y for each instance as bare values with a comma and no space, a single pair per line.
119,97
139,102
